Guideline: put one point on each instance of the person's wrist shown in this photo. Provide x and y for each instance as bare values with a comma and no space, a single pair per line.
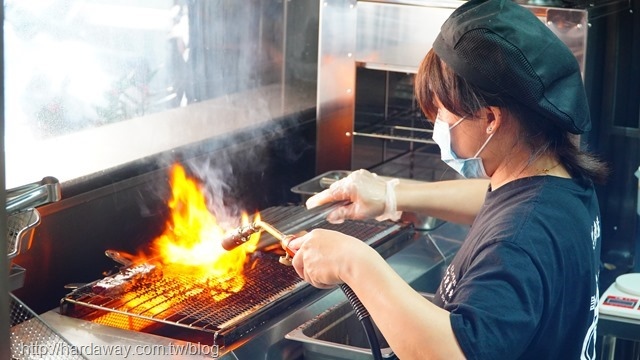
357,263
390,211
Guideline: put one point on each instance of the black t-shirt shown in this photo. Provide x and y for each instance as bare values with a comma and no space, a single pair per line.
524,284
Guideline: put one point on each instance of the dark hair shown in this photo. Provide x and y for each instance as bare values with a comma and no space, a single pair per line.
436,81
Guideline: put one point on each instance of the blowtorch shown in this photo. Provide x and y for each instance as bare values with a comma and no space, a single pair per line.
241,235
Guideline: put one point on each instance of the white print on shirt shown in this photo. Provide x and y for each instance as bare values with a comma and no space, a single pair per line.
589,343
448,284
595,232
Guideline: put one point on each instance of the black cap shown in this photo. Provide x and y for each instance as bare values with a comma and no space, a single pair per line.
504,48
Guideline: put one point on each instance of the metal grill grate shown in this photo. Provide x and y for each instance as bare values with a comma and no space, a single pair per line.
189,302
212,306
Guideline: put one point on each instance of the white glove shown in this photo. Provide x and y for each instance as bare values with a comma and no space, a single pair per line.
369,195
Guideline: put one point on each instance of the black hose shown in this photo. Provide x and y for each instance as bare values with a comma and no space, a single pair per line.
365,319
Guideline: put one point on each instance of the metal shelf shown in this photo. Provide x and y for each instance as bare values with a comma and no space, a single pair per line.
399,133
395,124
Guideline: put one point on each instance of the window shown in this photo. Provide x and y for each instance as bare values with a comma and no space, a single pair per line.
94,84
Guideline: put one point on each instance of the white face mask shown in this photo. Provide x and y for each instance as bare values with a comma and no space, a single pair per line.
470,168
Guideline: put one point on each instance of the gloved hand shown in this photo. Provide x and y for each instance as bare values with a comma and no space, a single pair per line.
323,257
370,197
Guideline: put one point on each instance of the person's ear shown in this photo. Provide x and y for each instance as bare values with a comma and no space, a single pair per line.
493,118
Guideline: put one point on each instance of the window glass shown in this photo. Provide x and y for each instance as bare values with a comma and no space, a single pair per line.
92,84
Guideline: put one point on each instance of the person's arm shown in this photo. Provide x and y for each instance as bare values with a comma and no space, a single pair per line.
457,201
414,327
371,196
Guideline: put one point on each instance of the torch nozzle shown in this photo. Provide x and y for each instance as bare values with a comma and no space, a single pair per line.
241,234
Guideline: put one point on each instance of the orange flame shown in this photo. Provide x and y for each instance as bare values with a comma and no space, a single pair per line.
192,238
190,252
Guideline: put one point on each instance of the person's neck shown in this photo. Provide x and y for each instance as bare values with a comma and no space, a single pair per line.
519,167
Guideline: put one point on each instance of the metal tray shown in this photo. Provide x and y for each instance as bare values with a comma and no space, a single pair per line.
17,275
319,183
338,334
32,338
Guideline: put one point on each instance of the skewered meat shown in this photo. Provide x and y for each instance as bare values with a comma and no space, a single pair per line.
127,279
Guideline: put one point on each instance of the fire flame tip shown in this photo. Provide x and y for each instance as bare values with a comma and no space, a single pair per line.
192,237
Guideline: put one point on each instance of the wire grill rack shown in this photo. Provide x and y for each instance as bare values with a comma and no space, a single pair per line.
187,302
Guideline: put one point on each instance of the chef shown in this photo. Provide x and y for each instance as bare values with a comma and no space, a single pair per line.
507,102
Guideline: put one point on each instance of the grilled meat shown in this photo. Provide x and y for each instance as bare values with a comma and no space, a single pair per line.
127,280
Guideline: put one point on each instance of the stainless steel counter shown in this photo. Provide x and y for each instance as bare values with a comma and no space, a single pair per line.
420,264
